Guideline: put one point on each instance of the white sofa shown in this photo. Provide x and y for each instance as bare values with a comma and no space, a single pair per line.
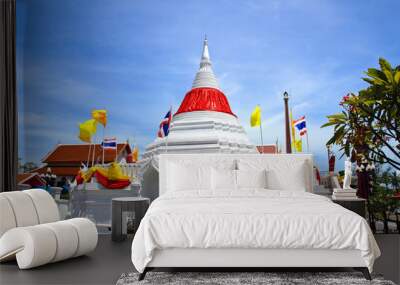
31,231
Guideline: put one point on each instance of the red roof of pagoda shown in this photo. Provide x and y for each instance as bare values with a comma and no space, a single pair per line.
205,99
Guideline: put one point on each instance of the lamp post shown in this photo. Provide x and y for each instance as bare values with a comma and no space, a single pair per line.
287,125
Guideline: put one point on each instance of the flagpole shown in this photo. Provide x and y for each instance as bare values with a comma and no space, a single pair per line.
104,131
88,159
94,149
301,144
308,146
261,135
169,125
116,150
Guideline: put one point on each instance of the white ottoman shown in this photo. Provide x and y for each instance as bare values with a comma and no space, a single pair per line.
31,233
37,245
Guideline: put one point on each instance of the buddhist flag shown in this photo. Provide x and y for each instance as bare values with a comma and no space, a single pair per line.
87,129
293,131
100,116
85,136
255,118
135,154
298,145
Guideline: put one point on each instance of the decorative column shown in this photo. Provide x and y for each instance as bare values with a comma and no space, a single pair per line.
287,123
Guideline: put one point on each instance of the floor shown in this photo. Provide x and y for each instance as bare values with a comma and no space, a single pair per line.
103,266
111,259
389,263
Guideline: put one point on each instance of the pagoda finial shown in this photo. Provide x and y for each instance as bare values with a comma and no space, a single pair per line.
205,56
205,76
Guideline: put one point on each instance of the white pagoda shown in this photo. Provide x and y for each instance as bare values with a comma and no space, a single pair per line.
204,123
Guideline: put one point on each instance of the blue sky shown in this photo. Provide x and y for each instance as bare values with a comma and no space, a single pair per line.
136,58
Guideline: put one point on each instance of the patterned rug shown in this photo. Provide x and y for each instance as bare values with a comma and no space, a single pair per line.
243,278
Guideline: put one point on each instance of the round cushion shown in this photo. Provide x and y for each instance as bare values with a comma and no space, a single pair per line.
33,246
7,220
87,235
66,238
45,205
24,210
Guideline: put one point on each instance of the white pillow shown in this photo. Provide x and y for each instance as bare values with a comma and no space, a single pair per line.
223,179
283,173
183,178
251,178
293,179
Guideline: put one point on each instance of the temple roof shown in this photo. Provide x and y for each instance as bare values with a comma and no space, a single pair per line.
205,94
77,153
59,170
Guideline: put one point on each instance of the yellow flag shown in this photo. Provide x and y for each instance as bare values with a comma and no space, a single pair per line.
294,147
135,154
255,118
85,136
87,129
299,145
100,116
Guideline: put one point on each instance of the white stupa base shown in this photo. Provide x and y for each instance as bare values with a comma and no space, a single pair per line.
202,132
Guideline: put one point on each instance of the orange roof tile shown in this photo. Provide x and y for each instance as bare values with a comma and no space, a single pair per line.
23,178
77,153
267,148
59,170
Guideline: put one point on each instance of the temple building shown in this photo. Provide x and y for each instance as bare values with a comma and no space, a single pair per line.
65,160
204,123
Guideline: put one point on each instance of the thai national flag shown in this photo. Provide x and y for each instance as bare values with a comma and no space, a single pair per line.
109,143
300,124
164,125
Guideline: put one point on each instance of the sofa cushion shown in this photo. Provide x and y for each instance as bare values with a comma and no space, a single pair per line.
32,246
46,207
7,220
66,238
87,235
23,208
